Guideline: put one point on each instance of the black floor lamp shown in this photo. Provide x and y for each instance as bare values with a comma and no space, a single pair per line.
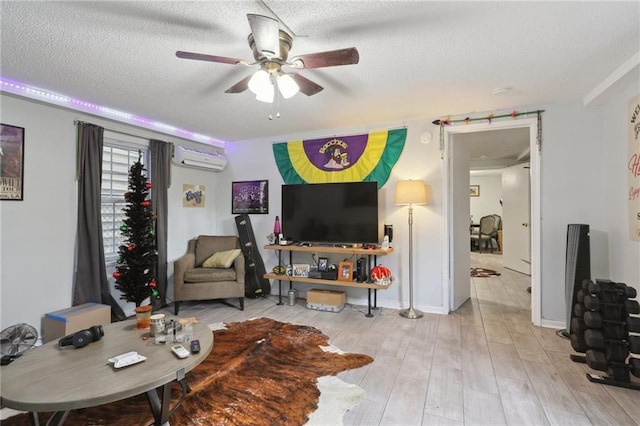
410,192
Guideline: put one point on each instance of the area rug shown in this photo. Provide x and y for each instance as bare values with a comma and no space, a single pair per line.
483,273
260,372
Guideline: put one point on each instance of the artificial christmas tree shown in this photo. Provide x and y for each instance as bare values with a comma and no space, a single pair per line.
136,268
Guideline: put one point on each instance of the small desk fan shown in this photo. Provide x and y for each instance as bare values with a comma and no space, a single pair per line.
15,340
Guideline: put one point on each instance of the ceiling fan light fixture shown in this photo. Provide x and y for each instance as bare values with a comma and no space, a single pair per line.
287,86
259,81
266,94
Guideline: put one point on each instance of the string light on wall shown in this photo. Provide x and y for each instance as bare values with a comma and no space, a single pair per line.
17,88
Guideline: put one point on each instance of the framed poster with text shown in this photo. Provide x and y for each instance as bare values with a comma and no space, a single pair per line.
251,197
11,162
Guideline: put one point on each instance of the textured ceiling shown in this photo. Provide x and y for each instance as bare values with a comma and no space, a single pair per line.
418,60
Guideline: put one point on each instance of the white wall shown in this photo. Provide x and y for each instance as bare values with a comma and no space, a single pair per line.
490,194
38,234
572,192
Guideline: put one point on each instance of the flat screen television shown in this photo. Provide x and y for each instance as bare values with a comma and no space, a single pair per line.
331,212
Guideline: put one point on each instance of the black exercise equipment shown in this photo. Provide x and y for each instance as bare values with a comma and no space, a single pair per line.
578,325
634,366
596,360
601,328
578,343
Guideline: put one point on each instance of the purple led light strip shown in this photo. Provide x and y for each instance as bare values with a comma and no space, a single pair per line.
17,88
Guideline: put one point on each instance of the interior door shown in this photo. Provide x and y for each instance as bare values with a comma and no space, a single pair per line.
516,230
459,218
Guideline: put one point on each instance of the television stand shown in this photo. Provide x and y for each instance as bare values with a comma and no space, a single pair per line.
330,249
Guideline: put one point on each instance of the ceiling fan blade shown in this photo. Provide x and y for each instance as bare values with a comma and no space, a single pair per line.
331,58
240,86
209,58
306,86
265,32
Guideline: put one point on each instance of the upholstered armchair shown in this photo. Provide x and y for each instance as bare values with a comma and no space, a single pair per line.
199,275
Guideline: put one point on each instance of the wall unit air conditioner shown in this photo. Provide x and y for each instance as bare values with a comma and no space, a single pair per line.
207,160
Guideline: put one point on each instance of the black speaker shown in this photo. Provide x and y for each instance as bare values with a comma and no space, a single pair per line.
361,270
82,338
578,266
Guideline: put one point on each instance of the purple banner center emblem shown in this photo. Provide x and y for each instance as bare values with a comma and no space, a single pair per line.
335,154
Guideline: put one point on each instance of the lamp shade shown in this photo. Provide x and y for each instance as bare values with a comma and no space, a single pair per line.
287,86
266,94
259,81
411,192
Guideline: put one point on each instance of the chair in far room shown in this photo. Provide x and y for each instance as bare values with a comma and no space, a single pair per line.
212,268
485,233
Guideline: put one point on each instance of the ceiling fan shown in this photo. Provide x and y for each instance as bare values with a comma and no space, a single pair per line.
271,46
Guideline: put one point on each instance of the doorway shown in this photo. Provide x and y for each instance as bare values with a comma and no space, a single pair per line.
456,282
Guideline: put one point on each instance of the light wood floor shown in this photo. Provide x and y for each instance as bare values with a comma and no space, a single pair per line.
484,364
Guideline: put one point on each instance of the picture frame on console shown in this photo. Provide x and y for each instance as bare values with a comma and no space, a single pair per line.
323,264
345,271
300,270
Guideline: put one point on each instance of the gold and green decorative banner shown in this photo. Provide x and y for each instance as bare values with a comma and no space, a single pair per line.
358,158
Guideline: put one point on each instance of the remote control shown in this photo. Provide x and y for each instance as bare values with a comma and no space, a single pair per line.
179,351
195,346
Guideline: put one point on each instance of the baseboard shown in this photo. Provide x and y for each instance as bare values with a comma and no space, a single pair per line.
553,324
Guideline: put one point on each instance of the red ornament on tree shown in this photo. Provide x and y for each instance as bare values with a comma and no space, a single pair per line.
152,284
148,185
116,275
131,247
146,203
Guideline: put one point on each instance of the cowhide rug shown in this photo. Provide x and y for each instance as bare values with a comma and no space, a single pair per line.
483,273
260,372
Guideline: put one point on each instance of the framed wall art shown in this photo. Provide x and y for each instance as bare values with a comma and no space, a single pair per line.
11,162
474,190
251,197
345,271
193,195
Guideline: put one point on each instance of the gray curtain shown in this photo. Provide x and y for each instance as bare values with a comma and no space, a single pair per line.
90,282
160,182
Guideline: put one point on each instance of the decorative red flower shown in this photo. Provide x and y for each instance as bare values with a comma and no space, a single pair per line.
380,272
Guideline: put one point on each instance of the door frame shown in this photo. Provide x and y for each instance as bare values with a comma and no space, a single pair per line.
535,171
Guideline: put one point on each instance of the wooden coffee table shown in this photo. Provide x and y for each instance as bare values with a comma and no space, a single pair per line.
49,378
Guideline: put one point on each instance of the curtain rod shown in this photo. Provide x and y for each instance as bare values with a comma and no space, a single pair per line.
75,123
513,114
